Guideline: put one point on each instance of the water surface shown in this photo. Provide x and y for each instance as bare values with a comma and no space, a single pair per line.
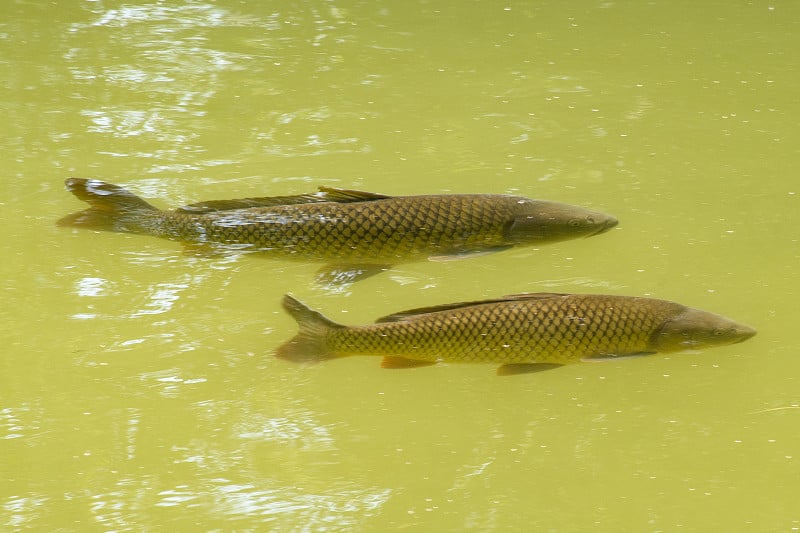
138,389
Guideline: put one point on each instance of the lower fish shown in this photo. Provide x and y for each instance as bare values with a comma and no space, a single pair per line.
355,233
522,333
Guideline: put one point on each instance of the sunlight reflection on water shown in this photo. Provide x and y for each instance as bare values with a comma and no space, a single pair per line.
92,286
332,510
300,429
162,403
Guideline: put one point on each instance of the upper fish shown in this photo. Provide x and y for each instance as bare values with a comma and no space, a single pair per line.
352,231
521,332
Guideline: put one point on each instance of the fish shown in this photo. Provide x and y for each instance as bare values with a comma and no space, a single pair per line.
522,333
354,233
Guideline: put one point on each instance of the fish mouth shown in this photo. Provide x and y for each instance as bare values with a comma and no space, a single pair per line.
745,333
607,225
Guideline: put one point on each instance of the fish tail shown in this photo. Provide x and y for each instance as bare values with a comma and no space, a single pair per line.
112,208
310,343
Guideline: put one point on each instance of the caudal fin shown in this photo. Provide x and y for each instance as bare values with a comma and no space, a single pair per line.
310,343
112,208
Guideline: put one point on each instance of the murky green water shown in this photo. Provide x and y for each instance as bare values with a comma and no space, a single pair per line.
138,390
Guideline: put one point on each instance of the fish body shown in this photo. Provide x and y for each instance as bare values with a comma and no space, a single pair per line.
523,333
342,226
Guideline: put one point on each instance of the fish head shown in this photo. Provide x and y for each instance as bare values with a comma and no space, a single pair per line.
695,329
536,221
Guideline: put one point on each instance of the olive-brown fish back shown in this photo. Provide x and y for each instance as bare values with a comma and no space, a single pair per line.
559,329
383,229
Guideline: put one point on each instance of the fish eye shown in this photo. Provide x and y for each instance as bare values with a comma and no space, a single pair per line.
718,332
575,222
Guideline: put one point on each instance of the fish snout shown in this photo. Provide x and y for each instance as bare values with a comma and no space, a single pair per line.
540,222
743,333
603,224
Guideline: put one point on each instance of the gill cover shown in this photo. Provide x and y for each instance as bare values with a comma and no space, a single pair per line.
694,329
541,222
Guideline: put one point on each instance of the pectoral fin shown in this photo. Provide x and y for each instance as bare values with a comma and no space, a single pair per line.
391,361
524,368
468,255
611,357
348,273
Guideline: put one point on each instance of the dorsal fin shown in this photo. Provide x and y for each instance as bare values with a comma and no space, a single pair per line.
405,315
334,194
246,203
325,194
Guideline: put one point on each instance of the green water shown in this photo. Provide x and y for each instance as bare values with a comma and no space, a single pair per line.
138,392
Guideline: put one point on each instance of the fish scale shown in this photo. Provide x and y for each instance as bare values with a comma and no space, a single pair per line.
354,231
517,331
558,331
372,230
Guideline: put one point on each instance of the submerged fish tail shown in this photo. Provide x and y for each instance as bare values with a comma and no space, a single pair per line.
311,342
112,208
